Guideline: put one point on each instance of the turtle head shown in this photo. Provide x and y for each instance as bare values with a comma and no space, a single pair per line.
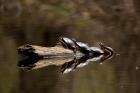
107,51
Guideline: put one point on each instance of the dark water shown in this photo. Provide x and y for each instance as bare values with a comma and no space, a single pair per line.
119,29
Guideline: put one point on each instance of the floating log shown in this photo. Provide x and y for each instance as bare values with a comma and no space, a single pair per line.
56,51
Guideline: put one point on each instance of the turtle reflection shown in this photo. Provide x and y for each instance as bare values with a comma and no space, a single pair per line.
66,64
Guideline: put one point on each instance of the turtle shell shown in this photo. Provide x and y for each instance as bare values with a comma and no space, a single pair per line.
84,48
68,43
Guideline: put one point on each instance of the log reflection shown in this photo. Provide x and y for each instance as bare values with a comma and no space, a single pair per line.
67,64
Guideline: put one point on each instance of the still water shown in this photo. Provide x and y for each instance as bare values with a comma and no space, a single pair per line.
118,75
121,31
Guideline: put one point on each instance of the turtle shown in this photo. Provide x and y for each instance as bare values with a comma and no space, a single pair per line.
82,47
68,43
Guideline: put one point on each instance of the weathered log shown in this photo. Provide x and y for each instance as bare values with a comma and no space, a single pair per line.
58,51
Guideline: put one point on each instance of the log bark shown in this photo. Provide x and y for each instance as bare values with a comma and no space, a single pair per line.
56,51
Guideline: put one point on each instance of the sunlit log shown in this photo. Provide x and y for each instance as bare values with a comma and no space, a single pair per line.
45,51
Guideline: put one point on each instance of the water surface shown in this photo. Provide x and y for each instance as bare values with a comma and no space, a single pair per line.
115,26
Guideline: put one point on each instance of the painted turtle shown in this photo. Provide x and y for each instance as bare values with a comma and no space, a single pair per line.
82,47
68,43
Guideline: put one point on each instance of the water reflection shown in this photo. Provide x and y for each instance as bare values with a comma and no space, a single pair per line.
80,62
114,22
67,64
